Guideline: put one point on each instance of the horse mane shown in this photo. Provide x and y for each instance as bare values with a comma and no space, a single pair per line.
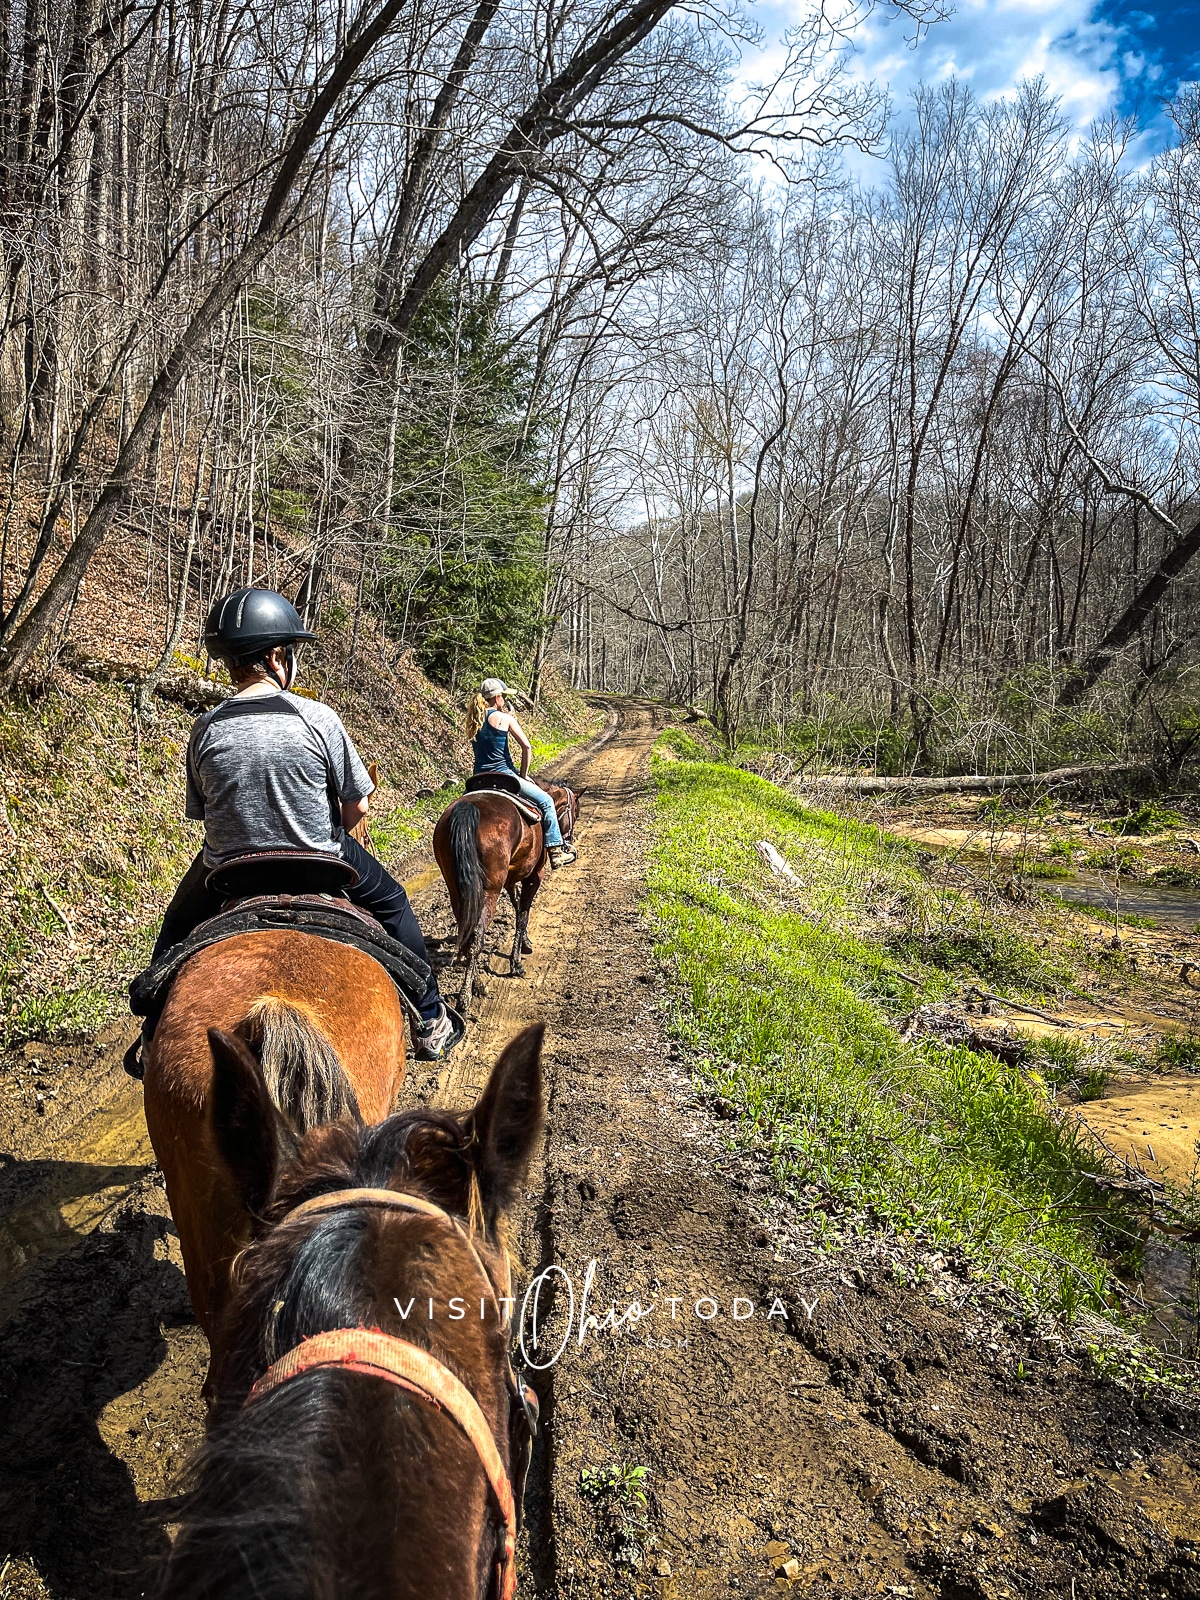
246,1518
303,1072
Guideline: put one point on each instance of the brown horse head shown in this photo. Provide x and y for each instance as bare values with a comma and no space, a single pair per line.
567,802
337,1482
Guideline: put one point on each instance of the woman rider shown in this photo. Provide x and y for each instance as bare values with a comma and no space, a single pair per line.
491,726
268,770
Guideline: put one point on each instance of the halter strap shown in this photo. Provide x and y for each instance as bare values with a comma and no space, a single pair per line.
395,1200
380,1355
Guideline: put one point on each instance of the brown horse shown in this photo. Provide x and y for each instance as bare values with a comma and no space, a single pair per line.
368,1438
486,848
326,1025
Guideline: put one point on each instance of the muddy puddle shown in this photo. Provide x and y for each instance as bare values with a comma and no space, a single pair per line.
421,881
47,1206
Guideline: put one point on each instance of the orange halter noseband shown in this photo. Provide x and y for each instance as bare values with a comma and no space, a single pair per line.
382,1355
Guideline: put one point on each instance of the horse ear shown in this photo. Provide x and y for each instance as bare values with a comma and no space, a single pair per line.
508,1120
253,1139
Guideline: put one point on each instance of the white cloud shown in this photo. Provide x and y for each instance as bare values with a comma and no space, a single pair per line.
994,45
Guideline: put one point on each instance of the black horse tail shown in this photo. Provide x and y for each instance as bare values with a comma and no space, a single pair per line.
468,870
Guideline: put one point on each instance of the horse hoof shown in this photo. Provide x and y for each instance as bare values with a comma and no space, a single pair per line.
518,969
526,948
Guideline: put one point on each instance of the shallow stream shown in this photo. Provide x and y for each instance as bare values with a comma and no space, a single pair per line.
1166,905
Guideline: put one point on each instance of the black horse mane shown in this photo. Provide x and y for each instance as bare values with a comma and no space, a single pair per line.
247,1526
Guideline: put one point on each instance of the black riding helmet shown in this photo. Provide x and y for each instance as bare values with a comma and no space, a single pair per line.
249,622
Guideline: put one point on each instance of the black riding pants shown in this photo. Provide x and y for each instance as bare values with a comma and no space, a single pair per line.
376,891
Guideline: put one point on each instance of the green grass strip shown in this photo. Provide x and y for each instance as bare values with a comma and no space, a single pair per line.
785,1005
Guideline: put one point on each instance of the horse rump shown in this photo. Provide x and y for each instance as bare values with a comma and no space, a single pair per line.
303,1072
463,827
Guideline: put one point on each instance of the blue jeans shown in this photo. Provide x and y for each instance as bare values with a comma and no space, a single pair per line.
546,806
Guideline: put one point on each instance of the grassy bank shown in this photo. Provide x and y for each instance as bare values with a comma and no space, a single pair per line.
790,996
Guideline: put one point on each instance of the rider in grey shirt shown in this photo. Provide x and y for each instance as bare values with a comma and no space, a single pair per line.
270,771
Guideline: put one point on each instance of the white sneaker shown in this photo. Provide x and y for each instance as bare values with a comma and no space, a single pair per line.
432,1038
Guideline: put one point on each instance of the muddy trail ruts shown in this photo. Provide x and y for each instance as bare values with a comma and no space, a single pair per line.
862,1440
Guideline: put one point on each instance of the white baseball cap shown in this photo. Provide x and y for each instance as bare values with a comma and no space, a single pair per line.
491,687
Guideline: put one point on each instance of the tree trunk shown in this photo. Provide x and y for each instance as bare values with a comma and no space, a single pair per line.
980,783
1128,624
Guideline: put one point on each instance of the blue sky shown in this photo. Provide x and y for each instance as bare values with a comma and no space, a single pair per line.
1095,57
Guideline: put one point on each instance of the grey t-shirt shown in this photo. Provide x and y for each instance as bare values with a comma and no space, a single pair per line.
269,772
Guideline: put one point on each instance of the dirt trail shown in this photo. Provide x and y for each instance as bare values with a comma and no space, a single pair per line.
869,1441
866,1439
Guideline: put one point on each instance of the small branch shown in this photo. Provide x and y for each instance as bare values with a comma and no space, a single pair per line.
1013,1005
57,910
777,863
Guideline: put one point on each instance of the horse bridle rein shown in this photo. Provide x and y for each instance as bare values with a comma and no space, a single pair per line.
409,1367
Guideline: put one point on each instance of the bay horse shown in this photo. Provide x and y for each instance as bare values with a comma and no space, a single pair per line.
368,1436
326,1026
485,847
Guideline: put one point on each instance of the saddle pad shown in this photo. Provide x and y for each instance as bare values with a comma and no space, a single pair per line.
526,807
313,914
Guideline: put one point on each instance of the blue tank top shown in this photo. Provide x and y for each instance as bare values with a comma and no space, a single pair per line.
491,749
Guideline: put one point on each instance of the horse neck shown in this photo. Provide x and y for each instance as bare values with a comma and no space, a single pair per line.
383,1494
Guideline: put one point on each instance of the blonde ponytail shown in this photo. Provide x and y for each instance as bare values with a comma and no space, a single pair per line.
477,710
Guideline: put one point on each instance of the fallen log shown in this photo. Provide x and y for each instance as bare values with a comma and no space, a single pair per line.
970,783
183,688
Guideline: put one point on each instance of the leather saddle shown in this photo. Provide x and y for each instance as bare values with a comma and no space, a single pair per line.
500,782
506,783
282,872
507,787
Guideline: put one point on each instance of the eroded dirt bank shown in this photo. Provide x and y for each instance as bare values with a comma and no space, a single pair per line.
871,1440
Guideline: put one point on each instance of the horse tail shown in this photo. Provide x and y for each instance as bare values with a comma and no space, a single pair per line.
468,870
303,1072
